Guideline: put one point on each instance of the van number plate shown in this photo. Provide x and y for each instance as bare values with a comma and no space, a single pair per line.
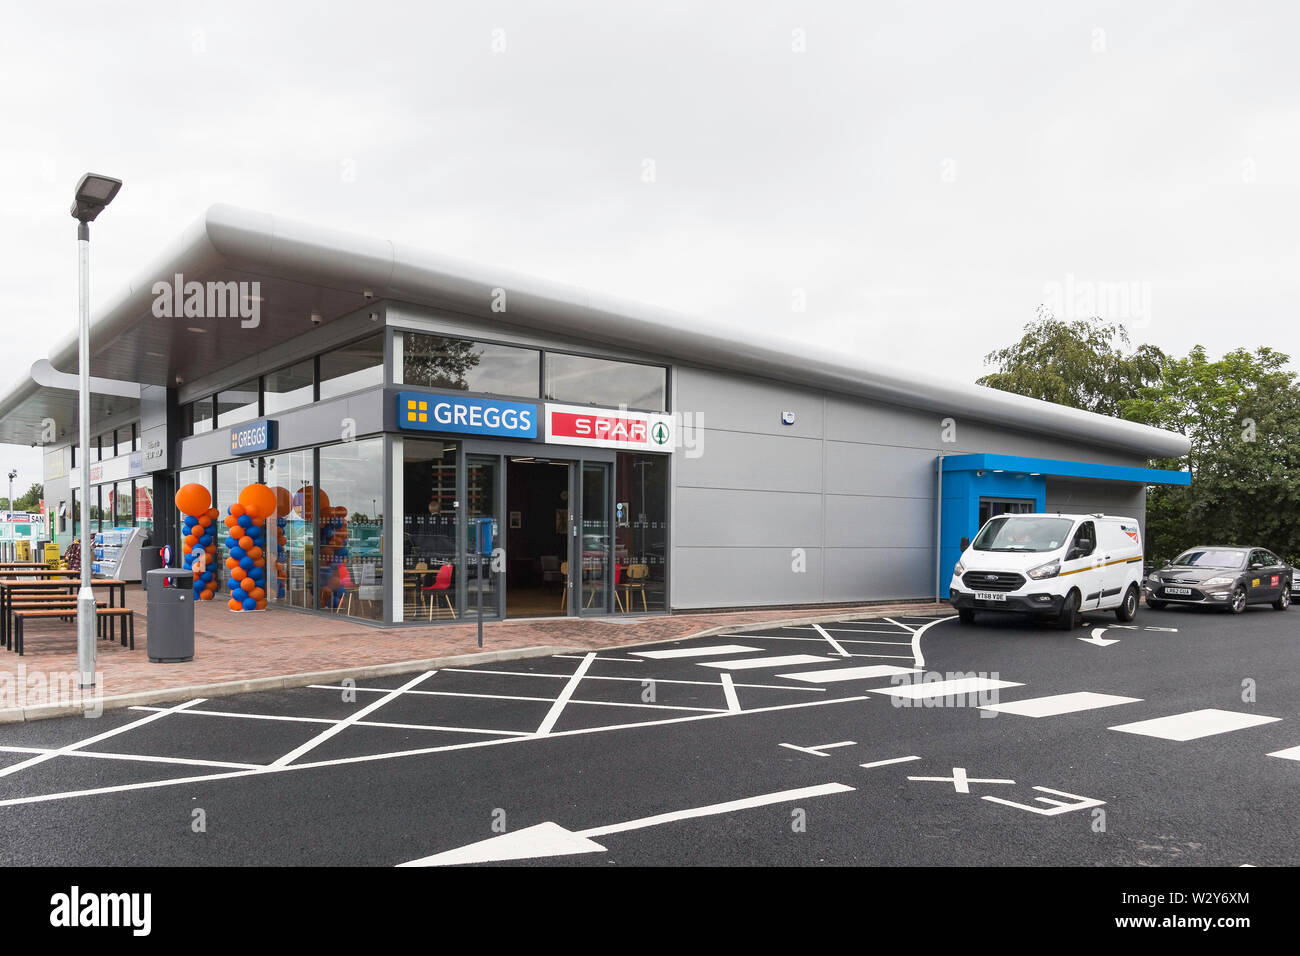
1178,590
990,596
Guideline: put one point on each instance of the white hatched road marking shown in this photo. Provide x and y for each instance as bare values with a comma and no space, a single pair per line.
871,671
886,763
753,663
1291,753
833,643
1058,704
557,708
729,692
696,651
326,734
51,754
590,677
944,688
1195,724
359,723
817,749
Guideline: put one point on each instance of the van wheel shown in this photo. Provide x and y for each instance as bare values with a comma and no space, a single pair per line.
966,615
1284,599
1129,608
1069,616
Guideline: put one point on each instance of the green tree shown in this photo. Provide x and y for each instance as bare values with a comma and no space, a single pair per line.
1085,364
32,500
1242,415
436,362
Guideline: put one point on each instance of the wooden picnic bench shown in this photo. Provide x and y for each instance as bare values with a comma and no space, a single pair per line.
105,618
15,588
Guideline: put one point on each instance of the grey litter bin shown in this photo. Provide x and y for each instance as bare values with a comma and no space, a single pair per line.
170,615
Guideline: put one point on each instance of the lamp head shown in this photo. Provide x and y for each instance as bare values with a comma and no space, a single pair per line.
94,192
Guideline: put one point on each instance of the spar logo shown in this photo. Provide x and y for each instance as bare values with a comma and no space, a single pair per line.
607,428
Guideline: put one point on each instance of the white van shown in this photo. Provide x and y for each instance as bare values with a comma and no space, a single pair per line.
1049,565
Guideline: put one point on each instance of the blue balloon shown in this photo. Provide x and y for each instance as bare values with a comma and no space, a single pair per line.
257,574
190,521
255,533
246,563
237,552
232,543
206,576
244,521
196,551
250,604
205,540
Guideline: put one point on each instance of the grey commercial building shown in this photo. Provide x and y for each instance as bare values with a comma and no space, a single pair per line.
632,460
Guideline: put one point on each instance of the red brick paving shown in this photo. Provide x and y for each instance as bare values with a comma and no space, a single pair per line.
278,643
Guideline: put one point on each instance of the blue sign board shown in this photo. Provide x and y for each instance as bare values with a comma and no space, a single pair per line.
253,437
425,412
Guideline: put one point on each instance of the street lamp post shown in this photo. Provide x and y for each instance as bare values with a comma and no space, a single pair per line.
93,194
13,473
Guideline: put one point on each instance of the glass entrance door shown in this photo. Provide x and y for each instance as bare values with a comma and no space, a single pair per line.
483,500
594,542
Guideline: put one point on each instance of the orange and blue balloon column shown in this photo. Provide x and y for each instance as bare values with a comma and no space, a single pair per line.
246,546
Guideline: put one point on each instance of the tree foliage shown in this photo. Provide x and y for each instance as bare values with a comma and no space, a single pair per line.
1241,413
1085,364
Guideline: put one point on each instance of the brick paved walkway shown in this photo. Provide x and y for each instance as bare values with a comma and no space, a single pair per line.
296,648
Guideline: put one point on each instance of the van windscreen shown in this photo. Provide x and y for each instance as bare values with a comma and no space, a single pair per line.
1023,533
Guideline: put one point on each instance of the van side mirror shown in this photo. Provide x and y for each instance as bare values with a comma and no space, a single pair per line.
965,543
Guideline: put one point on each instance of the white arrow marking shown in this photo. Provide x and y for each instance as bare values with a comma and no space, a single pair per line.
551,839
1097,638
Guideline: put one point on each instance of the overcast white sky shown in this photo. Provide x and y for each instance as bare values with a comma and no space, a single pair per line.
923,172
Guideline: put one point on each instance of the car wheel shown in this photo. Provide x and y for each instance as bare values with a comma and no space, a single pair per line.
1069,615
1237,603
1156,605
966,615
1283,600
1128,610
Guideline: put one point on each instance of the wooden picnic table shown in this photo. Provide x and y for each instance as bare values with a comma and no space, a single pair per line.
24,564
9,585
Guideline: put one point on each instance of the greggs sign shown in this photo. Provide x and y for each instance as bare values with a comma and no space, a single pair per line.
608,428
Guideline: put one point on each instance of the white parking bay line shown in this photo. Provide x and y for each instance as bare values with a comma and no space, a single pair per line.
833,643
557,708
1060,704
752,663
1195,724
697,651
849,673
1291,753
944,688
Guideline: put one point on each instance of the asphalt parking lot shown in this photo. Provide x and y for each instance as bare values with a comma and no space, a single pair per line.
901,740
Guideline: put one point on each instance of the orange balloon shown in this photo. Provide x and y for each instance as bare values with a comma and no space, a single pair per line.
206,594
193,499
258,499
261,605
214,513
253,512
254,552
190,541
283,500
259,562
257,594
234,605
236,509
231,521
231,563
246,543
205,521
238,574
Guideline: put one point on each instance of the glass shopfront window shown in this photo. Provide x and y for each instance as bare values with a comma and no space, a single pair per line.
352,367
593,381
144,503
433,361
290,387
641,532
198,417
429,530
123,438
350,541
238,404
123,504
232,478
290,476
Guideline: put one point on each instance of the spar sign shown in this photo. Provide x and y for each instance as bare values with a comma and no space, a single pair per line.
608,428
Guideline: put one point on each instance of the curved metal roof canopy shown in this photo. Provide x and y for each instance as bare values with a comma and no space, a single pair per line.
305,268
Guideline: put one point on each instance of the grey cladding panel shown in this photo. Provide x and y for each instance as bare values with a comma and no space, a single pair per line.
760,462
743,577
858,522
879,470
746,519
877,574
737,403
